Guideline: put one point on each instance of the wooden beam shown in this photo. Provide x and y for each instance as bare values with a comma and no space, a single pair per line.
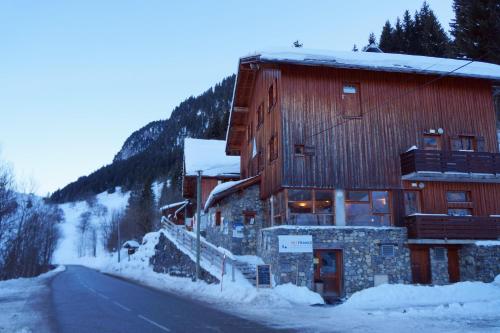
240,109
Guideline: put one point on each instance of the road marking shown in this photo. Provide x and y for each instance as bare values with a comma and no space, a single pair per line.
121,306
102,296
154,323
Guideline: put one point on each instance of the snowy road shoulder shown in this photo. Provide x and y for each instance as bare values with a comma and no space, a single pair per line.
24,303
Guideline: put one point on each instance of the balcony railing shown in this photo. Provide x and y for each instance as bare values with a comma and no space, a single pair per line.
453,227
442,165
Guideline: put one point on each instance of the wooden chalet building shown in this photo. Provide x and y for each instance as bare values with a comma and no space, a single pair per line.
386,165
216,167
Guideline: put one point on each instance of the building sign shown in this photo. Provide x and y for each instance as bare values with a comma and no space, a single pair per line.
238,230
295,244
264,276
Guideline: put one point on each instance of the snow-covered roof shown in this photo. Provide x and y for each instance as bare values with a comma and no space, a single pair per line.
386,62
209,156
131,243
220,190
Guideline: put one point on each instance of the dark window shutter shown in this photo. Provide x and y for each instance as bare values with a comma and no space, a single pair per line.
455,143
481,144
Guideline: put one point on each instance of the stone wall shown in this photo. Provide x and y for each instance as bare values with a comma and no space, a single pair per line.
232,210
439,266
479,263
361,249
170,260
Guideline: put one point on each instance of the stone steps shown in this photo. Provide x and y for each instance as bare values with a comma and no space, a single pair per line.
248,271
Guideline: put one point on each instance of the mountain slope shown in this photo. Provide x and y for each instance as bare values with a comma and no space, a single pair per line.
140,140
151,155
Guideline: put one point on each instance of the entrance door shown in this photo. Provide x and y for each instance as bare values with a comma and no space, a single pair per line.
420,265
453,265
328,273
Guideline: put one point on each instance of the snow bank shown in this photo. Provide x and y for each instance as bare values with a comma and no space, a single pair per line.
393,296
210,157
23,303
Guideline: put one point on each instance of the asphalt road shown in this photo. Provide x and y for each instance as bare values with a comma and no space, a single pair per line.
85,300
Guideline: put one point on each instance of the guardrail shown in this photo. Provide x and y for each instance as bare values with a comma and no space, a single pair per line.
209,252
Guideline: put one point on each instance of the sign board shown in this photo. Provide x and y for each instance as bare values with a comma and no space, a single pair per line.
238,230
295,244
264,276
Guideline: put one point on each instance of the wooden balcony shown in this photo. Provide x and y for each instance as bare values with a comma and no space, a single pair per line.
462,166
453,227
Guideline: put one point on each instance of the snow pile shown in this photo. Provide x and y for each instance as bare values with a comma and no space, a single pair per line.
399,296
67,249
22,301
210,157
387,62
239,292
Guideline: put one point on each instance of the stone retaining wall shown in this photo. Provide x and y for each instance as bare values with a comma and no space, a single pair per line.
479,263
361,249
170,260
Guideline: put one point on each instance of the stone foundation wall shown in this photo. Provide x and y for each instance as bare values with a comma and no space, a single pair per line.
170,260
361,250
479,263
232,210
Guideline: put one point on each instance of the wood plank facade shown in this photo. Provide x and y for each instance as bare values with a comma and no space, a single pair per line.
315,127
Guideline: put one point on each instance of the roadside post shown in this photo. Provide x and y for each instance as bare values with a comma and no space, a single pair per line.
198,222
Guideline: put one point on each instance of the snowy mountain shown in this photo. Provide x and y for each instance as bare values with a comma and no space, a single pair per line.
140,140
155,151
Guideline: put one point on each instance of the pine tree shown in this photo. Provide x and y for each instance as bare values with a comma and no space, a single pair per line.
398,39
476,29
355,48
386,38
431,37
372,39
408,32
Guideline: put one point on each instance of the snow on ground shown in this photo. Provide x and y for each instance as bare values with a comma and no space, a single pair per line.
460,307
67,249
23,304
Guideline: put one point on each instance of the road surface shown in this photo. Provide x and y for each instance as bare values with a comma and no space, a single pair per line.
85,300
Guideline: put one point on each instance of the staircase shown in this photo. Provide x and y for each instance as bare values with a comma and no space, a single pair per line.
210,253
248,271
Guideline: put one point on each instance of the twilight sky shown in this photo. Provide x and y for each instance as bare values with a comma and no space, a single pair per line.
78,77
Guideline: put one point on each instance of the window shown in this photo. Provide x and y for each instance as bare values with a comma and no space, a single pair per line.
218,218
467,143
366,208
260,161
260,115
300,201
273,148
412,202
323,202
249,218
439,253
387,250
432,142
271,96
463,143
459,203
299,150
457,196
351,100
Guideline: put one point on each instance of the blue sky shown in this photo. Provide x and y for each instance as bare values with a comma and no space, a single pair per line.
78,77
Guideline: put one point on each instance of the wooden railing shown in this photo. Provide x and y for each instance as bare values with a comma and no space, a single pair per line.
208,252
450,161
453,227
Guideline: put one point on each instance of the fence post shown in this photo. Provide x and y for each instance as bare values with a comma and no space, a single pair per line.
232,271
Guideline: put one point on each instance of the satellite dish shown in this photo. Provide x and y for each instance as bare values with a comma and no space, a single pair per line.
440,130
